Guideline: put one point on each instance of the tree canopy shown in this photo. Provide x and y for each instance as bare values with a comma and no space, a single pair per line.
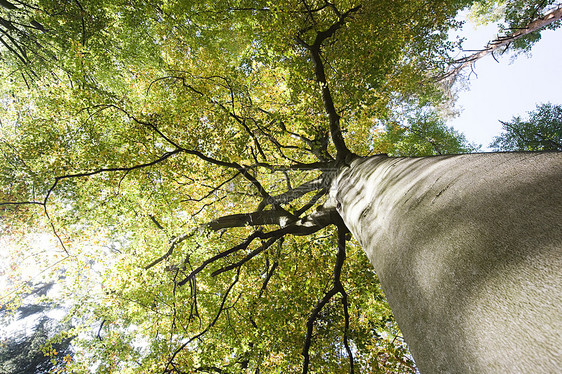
542,131
178,154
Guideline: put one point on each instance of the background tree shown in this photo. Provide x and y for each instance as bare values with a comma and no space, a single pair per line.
516,17
181,156
421,134
520,24
542,131
23,351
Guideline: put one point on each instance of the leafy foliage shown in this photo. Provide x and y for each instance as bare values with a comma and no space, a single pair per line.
542,131
25,351
423,134
180,155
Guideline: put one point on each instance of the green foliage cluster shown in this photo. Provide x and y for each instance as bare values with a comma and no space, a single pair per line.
542,131
421,134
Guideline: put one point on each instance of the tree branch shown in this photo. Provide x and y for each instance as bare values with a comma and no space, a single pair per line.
258,218
209,326
113,169
243,170
337,287
173,244
243,245
502,41
297,192
322,217
315,53
247,258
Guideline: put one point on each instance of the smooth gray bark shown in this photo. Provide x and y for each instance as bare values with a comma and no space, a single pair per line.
468,250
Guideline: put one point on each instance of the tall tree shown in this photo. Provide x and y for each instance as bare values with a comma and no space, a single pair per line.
195,162
467,249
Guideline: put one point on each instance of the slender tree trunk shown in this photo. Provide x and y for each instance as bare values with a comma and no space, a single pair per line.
468,250
503,42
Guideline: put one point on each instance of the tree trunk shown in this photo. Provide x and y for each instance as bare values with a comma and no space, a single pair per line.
468,250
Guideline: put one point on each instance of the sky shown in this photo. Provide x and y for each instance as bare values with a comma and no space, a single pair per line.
500,91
